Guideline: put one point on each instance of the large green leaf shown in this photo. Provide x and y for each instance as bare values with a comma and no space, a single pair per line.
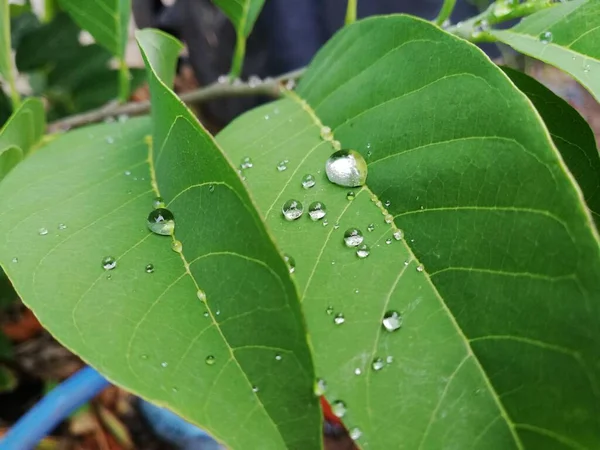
242,13
566,36
498,346
237,364
571,134
106,20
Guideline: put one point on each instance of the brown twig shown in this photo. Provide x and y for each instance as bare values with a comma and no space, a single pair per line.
269,87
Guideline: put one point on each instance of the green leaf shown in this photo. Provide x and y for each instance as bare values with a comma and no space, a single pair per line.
566,36
242,13
498,345
5,55
571,134
106,20
150,332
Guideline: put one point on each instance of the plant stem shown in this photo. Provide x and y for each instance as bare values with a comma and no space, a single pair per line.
124,82
351,12
15,98
238,56
50,10
445,12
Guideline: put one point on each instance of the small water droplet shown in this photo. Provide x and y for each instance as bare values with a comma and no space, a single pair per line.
278,358
392,321
205,313
388,241
379,205
15,260
158,202
164,364
389,359
254,81
174,389
325,223
357,371
128,172
218,312
62,226
282,165
377,364
546,37
587,68
108,276
387,203
346,168
223,79
326,134
363,251
308,181
43,231
177,246
317,211
246,163
144,356
339,319
255,389
388,218
329,310
371,227
110,140
211,188
350,196
201,295
161,221
406,262
355,433
353,237
292,210
420,268
149,268
356,291
109,263
338,408
398,235
337,145
209,360
336,226
320,387
290,261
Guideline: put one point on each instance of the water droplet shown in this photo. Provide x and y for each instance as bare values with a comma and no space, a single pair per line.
246,163
350,196
326,134
177,246
420,268
278,357
292,210
15,260
254,81
353,237
161,221
149,268
62,226
223,79
211,188
109,276
282,165
379,205
241,174
290,261
388,218
355,433
158,202
389,359
388,241
128,172
218,312
346,168
336,226
164,364
587,68
377,364
174,389
308,181
209,360
317,211
109,263
371,227
363,251
144,356
338,408
201,295
43,231
325,223
255,389
339,319
398,235
337,145
392,321
546,37
357,371
356,291
387,203
329,310
205,313
320,387
110,140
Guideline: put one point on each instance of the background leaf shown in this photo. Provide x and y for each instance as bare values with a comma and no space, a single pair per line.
566,36
242,13
5,55
150,332
490,354
106,20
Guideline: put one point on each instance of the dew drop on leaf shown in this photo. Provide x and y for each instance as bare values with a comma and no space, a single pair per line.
388,218
338,408
201,295
290,261
177,246
325,223
161,221
209,360
320,387
282,165
308,181
388,241
353,237
357,371
128,172
355,433
371,227
158,202
546,37
246,163
350,196
164,364
255,389
149,268
392,321
144,356
346,168
329,310
377,364
339,319
398,235
420,268
43,231
278,357
211,188
292,210
15,260
317,211
363,251
389,359
109,263
326,134
62,226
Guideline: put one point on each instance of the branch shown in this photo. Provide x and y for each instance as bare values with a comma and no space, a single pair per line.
445,12
269,87
351,12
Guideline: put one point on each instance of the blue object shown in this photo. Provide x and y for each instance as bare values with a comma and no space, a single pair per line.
52,409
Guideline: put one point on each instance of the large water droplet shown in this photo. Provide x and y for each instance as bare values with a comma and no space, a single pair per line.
377,364
177,246
363,251
292,210
308,181
209,360
161,221
201,295
355,433
339,319
158,202
290,261
546,37
149,268
392,321
338,408
246,163
317,211
353,237
43,231
109,263
346,168
320,387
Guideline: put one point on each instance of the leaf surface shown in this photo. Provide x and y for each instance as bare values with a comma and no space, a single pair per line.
566,36
498,344
242,13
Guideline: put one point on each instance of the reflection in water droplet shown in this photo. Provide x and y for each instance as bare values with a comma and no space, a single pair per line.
392,321
546,37
43,231
339,319
290,261
420,268
282,165
371,227
246,163
338,408
320,387
388,218
177,246
62,226
329,310
210,360
109,263
377,364
357,371
158,202
161,221
292,210
398,235
201,295
149,268
355,433
317,211
353,237
363,251
308,181
350,196
346,168
326,134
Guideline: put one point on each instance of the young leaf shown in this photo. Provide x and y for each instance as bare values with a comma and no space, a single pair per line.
566,36
106,20
571,134
489,353
214,331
